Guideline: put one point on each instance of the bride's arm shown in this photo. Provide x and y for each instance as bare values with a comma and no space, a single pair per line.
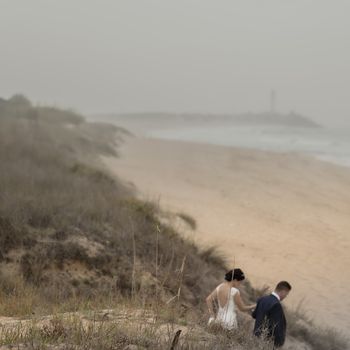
240,304
209,300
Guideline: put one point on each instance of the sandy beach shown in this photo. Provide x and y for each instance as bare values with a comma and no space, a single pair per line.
277,216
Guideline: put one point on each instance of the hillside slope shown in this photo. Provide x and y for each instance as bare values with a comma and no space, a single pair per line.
72,237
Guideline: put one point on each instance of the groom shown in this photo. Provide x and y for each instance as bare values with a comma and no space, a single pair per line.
269,315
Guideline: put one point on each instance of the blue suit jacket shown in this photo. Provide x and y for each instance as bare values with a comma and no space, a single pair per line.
269,315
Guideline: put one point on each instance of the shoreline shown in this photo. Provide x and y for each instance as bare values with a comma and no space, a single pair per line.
278,216
297,153
322,143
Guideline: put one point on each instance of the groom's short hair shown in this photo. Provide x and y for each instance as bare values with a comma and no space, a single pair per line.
283,285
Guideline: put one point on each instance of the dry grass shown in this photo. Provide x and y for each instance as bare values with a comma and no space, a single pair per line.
303,328
189,220
64,222
119,329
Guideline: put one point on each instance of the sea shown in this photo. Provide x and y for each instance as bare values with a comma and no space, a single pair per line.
328,144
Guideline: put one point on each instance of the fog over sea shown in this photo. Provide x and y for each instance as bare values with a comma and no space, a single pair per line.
328,144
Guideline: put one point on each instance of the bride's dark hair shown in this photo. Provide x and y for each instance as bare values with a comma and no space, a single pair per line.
236,274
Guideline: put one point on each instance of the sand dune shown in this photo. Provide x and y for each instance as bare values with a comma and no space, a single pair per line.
278,216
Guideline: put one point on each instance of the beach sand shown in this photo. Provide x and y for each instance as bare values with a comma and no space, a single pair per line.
277,216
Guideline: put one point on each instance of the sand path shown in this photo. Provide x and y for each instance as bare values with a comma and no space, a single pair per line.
278,216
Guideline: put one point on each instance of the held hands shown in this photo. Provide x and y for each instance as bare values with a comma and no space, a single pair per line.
252,307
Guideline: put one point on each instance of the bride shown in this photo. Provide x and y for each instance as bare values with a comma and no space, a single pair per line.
228,299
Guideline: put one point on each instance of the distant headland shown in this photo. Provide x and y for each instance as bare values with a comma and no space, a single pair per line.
270,118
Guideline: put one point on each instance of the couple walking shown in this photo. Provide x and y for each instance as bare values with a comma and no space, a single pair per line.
268,313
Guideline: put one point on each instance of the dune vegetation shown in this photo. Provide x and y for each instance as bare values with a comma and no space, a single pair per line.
84,264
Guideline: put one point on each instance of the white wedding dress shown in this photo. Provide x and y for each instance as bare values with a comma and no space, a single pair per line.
226,315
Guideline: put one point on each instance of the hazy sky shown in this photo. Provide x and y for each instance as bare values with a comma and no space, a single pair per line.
179,55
